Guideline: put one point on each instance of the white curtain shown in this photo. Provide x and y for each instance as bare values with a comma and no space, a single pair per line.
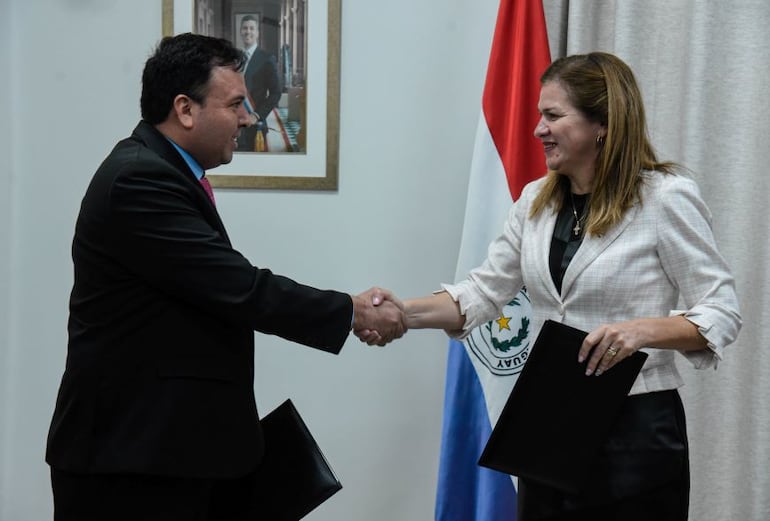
704,70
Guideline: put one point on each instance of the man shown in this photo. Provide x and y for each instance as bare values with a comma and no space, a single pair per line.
156,417
262,82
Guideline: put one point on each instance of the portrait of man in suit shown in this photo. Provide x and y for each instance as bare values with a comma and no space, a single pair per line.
263,83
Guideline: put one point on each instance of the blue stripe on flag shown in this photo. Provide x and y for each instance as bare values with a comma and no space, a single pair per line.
466,491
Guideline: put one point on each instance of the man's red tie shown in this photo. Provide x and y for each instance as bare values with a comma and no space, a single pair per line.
207,187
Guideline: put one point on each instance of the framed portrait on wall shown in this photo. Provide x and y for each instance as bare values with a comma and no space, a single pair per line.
292,79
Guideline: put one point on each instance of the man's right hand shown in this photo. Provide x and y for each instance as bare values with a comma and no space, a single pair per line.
378,317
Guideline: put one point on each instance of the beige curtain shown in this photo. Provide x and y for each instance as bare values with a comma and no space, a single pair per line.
704,69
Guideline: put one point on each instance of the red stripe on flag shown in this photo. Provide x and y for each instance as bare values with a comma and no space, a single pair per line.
519,56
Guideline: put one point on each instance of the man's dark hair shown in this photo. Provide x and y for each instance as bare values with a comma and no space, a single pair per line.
249,18
182,64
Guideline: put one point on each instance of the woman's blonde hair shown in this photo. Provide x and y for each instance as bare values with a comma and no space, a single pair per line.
603,88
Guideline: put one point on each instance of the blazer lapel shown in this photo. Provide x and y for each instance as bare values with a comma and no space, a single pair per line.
591,248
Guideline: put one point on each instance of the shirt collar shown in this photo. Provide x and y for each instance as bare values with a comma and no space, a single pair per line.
191,162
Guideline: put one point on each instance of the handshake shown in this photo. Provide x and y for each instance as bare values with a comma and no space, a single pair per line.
378,317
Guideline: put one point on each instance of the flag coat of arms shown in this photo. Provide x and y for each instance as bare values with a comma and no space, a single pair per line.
482,369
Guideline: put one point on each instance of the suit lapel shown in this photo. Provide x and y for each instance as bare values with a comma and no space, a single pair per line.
591,248
257,60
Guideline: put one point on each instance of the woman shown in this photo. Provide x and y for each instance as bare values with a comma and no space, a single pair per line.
609,241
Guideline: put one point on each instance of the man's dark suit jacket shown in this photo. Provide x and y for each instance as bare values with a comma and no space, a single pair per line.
264,85
263,82
160,361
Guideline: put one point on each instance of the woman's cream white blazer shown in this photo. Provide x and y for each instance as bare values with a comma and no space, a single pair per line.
661,260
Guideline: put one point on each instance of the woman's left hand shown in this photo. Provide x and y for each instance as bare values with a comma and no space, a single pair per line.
608,344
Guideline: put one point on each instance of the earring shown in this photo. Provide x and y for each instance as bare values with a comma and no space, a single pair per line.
599,140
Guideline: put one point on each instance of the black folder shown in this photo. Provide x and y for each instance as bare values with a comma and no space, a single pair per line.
556,418
294,476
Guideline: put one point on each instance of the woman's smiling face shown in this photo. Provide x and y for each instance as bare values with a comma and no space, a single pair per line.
568,137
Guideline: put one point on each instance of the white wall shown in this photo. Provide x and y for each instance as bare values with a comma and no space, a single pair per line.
412,74
5,232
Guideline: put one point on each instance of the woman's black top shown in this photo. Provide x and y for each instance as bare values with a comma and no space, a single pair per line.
567,235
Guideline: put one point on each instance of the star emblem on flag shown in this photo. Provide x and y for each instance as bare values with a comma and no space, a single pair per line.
502,323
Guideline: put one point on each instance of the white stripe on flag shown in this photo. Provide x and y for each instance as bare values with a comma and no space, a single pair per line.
487,203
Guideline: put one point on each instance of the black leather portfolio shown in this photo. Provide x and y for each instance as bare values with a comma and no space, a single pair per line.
294,476
556,418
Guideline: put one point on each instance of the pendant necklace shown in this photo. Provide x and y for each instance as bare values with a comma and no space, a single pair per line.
578,227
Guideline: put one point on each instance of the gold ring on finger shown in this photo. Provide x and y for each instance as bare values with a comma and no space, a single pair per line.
612,351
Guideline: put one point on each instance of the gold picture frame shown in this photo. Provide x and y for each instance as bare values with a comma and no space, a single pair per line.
317,167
